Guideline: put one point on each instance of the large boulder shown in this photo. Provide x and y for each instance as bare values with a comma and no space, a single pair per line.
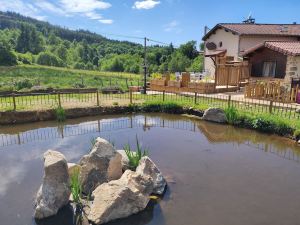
101,165
215,115
120,198
54,192
148,168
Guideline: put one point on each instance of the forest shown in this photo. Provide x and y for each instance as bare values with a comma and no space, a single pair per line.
24,40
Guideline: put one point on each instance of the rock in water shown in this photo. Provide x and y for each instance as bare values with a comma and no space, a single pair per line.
215,115
147,167
120,198
101,165
54,192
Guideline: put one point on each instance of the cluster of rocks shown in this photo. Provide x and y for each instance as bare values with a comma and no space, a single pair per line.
114,194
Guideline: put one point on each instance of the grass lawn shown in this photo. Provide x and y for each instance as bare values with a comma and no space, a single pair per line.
55,77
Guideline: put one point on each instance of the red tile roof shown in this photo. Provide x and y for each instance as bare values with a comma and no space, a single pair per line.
258,29
285,47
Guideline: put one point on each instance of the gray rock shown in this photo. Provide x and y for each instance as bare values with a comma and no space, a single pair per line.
101,165
147,167
73,168
297,110
55,190
215,115
120,198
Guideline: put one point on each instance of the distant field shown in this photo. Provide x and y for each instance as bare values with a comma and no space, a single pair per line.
22,77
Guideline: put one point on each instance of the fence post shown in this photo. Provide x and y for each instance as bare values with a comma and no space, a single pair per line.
127,82
271,106
195,100
14,101
164,95
59,100
229,101
130,95
98,102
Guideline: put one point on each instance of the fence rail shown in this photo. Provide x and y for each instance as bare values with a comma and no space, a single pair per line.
96,98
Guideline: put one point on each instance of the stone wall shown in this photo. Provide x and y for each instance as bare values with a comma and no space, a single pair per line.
292,69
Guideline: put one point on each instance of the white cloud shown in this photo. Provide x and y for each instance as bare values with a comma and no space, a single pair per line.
147,4
106,21
93,15
171,26
47,6
84,6
19,6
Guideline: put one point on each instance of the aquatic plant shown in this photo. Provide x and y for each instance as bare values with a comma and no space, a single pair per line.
60,114
134,157
76,188
231,114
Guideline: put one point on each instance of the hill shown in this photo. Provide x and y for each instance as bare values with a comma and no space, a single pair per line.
24,40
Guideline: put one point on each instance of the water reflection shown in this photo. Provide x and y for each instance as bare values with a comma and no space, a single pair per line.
214,133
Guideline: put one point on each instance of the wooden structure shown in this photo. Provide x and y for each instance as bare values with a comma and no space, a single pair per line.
271,90
236,74
229,77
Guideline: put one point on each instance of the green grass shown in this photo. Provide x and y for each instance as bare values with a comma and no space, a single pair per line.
60,114
24,77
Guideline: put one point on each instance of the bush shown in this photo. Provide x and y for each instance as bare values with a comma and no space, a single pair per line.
49,59
23,84
25,58
79,66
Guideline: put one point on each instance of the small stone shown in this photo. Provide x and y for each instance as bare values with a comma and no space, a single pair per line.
73,168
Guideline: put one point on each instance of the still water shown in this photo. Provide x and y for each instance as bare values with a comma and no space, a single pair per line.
217,174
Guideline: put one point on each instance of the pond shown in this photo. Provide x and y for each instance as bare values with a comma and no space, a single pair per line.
217,174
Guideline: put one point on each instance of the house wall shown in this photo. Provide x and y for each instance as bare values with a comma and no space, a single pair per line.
258,58
247,42
229,42
292,69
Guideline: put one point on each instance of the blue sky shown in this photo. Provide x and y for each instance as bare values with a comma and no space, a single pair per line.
175,21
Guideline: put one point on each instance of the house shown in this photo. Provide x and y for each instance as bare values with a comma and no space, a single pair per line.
233,42
275,59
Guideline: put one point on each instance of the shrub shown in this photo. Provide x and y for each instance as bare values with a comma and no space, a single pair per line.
26,58
156,75
49,59
60,114
22,84
231,114
79,65
135,156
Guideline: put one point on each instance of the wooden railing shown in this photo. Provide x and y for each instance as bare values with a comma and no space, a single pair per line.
271,91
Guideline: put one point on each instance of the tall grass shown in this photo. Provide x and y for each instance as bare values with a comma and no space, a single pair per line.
76,188
231,114
60,114
134,157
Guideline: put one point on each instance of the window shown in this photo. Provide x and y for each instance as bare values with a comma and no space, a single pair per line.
269,69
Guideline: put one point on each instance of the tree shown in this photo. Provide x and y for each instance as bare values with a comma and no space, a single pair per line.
197,65
62,52
29,40
7,57
189,49
179,63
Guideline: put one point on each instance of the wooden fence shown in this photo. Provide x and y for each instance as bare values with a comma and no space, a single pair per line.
272,91
231,75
